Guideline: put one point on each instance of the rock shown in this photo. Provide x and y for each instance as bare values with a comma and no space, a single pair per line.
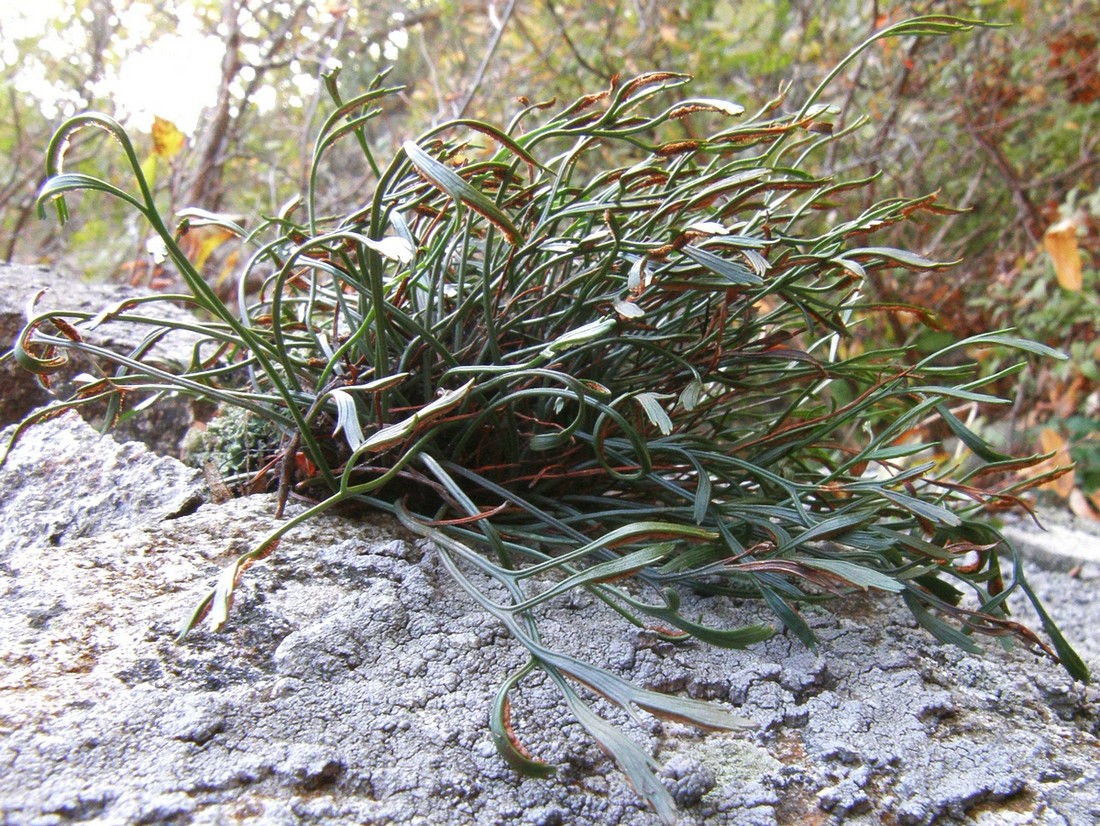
352,685
161,428
62,481
1065,541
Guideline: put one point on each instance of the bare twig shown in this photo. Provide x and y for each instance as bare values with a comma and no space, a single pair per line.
479,75
853,87
563,30
433,78
1028,213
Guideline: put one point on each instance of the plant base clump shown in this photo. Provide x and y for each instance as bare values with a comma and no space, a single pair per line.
236,444
616,350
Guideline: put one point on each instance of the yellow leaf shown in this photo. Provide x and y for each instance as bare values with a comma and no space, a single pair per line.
211,241
167,139
228,271
1060,241
199,243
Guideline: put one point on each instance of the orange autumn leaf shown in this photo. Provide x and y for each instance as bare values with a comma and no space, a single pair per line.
167,139
1060,241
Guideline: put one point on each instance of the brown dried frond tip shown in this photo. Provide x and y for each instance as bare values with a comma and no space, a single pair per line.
678,148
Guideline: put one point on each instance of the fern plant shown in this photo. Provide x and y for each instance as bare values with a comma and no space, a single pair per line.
591,352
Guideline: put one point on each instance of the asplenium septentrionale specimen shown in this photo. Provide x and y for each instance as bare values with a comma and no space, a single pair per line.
591,352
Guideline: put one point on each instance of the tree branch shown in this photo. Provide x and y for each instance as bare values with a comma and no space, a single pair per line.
480,74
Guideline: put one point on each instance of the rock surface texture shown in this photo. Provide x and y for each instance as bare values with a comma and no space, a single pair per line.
353,680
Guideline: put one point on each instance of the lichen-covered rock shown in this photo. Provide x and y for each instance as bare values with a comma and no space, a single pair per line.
352,683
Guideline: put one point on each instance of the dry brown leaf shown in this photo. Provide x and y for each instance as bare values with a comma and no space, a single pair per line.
1051,441
1081,505
1065,400
1060,242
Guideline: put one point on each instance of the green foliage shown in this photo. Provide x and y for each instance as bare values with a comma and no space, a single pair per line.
588,352
1084,434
